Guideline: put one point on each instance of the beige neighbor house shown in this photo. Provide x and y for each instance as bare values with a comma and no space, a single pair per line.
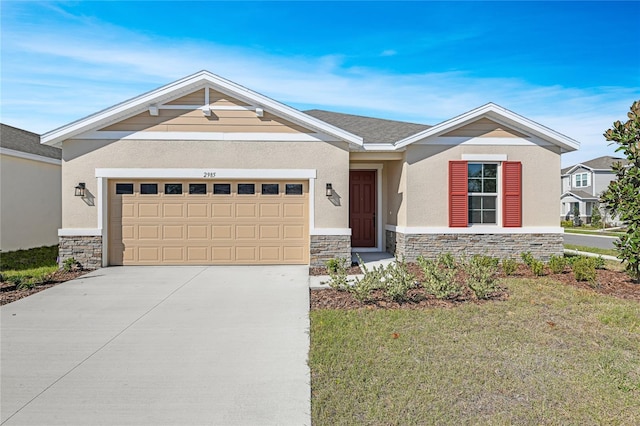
205,171
30,173
581,187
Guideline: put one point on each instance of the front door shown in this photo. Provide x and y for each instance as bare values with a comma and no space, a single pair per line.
362,207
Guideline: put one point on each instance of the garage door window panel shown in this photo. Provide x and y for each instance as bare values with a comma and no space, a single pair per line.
221,189
293,189
148,188
270,189
246,189
173,189
197,189
124,188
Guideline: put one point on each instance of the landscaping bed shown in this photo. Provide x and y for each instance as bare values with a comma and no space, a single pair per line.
608,281
9,291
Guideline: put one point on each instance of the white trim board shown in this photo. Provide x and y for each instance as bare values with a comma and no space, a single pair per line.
475,230
212,173
79,232
29,156
330,231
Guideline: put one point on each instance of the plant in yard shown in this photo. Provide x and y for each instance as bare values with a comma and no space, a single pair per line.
439,280
362,288
598,262
338,279
537,267
481,275
527,258
584,269
398,280
509,266
447,260
622,197
69,264
557,264
596,217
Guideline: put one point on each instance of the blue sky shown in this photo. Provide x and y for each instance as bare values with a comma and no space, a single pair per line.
572,66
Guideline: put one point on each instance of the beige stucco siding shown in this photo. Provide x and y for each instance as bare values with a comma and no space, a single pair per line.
427,182
395,211
176,120
82,157
30,213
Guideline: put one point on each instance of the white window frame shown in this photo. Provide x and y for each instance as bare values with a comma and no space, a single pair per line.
578,179
497,195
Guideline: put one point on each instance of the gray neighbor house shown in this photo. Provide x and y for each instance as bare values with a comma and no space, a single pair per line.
582,184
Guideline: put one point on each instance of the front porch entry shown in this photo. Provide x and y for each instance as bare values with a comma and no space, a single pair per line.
362,208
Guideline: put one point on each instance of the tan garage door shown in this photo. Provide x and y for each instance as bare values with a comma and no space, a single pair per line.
153,222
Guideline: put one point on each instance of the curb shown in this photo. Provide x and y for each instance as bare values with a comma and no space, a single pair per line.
585,253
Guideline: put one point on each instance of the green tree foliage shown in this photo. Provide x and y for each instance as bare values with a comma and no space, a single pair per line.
622,197
596,217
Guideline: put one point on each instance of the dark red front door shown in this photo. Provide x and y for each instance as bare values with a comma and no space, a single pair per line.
362,208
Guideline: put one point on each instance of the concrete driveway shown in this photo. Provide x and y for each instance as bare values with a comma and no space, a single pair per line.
160,345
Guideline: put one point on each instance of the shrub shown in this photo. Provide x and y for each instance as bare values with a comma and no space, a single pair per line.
398,281
481,275
527,258
509,266
598,262
447,260
557,264
362,288
70,264
566,223
584,269
439,280
537,267
337,274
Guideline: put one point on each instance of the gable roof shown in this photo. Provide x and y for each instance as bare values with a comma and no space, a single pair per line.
601,163
372,130
501,115
580,194
25,141
184,86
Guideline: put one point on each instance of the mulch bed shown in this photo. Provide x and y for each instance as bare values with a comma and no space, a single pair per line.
9,293
612,283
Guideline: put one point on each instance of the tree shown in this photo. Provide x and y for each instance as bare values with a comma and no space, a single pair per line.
622,197
596,217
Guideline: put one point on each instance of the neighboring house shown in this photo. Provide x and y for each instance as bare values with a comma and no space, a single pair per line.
205,171
30,198
582,185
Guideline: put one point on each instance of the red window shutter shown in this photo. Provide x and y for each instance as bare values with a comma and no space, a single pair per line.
458,200
512,194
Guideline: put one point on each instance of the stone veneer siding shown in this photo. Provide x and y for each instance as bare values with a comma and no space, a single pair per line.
410,246
325,247
86,250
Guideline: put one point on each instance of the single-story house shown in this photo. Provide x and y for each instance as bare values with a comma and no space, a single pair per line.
30,197
581,187
205,171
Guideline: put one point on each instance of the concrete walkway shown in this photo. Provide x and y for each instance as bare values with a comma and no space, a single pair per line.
160,346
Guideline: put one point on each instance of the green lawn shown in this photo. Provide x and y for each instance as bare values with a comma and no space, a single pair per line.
593,232
551,354
28,267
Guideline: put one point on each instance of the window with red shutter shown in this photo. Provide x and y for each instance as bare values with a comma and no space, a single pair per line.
458,202
512,194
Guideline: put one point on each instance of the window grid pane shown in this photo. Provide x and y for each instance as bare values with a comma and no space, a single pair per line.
197,188
293,189
148,188
482,181
221,188
124,188
246,188
270,189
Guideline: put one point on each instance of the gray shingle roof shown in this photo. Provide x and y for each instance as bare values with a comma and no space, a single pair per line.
22,140
584,195
372,130
600,163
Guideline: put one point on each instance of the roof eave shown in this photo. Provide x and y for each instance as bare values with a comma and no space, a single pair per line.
192,82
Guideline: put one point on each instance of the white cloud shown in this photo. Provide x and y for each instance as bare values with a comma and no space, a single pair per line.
58,77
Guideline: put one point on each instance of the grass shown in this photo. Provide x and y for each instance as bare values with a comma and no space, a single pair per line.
27,268
551,354
593,232
26,259
610,252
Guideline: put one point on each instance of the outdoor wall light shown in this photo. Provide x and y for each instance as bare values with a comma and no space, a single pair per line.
80,189
329,192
